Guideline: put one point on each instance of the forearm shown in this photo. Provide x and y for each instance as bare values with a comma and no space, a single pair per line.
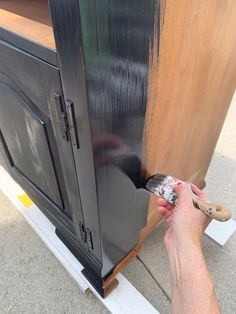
191,284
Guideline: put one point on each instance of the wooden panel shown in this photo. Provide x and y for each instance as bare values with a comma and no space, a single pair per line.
28,18
192,77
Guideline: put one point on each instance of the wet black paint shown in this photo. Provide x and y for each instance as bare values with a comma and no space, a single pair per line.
117,36
116,40
102,62
103,50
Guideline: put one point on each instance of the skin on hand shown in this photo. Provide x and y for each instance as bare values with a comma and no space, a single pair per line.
192,287
186,223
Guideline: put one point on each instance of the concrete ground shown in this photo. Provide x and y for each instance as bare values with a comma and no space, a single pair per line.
33,281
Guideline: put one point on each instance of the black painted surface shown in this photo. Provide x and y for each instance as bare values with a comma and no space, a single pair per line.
116,40
36,49
94,168
37,154
103,54
27,140
70,57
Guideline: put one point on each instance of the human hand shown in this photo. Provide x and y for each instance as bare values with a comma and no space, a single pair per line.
186,223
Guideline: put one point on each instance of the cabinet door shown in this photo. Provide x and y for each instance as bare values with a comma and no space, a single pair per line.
35,144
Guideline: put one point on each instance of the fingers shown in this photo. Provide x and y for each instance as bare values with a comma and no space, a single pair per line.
184,195
197,191
182,190
166,213
164,203
164,208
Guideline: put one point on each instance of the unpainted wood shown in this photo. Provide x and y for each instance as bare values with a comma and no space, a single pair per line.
111,282
28,18
191,84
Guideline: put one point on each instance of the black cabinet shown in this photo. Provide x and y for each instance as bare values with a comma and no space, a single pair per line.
88,90
71,131
39,155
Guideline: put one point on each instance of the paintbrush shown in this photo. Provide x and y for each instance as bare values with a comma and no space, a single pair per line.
160,184
163,186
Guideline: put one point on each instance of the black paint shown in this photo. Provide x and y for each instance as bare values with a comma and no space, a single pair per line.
37,50
36,154
91,128
116,37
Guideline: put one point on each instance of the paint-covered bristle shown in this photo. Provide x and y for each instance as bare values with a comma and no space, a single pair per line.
162,186
154,181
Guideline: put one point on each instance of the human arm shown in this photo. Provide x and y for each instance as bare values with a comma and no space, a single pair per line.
192,287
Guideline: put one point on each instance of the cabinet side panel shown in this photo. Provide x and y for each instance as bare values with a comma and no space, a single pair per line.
190,87
116,39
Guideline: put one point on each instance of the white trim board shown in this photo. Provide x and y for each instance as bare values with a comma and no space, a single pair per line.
125,299
220,232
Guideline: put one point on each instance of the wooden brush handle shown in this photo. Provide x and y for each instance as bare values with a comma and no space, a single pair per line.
213,210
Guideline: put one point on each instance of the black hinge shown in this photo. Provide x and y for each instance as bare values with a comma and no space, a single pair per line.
62,116
66,115
72,123
89,239
83,232
86,235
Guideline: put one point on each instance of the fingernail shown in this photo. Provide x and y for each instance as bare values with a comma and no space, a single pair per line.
179,183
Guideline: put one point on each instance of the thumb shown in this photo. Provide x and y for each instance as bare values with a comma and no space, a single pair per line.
184,195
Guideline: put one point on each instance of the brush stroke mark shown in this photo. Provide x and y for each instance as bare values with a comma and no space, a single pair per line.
117,36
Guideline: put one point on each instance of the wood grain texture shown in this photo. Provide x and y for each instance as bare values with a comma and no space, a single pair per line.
28,18
190,87
109,284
